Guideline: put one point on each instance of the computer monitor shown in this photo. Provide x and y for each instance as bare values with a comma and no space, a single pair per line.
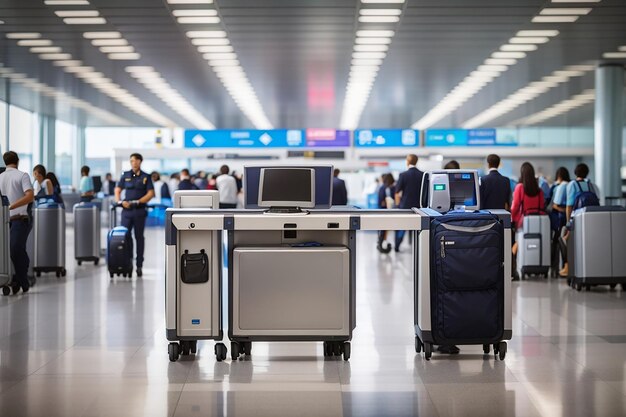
323,184
287,187
446,190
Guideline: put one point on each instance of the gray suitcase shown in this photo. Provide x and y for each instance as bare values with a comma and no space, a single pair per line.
87,245
49,239
596,247
533,255
5,248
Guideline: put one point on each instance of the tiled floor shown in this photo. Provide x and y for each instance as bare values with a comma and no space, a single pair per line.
88,346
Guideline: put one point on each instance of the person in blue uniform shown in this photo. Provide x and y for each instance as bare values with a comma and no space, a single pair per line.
138,191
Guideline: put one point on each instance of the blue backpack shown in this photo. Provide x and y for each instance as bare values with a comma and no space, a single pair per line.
585,198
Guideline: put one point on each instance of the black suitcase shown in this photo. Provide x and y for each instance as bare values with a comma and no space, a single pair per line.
120,252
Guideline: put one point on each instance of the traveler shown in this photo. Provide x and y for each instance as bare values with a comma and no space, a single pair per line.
495,189
161,190
42,186
200,180
527,198
408,189
453,164
227,186
557,212
578,194
212,184
386,194
173,182
185,181
56,187
340,193
139,190
86,187
16,186
108,187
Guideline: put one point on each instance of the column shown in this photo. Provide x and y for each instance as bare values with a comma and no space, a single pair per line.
608,124
47,142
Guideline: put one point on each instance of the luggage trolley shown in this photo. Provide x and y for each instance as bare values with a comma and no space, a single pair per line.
463,267
193,265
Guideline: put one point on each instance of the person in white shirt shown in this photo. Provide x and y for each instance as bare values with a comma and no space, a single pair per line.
16,186
227,186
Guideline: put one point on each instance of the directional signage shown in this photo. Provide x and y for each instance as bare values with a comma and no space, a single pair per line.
386,138
446,137
275,138
327,138
467,137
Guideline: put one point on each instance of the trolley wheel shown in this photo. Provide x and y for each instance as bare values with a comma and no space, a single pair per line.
578,287
502,351
97,261
220,352
6,290
58,274
588,287
337,348
327,350
234,350
111,274
246,348
193,346
184,345
346,351
418,345
613,286
486,349
496,348
38,274
80,263
428,350
173,349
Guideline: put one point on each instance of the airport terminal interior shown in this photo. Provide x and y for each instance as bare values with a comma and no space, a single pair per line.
312,208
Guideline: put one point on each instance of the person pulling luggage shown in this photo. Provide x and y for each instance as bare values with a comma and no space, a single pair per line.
139,190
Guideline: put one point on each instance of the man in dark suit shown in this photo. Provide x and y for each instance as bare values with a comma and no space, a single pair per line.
408,189
340,193
495,189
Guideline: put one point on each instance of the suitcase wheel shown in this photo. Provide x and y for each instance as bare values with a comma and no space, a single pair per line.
96,262
184,348
220,351
234,350
80,263
6,290
63,272
173,349
613,286
486,349
346,350
111,274
428,351
58,274
502,350
193,346
418,345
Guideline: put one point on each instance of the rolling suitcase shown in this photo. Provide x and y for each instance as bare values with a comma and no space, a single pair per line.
533,243
5,247
49,238
462,293
87,233
119,249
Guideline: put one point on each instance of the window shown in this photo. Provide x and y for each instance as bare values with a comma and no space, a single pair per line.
65,139
22,129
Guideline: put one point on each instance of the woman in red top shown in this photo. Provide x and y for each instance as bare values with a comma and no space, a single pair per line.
527,197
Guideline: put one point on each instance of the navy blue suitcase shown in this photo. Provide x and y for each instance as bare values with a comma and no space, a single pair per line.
120,252
467,284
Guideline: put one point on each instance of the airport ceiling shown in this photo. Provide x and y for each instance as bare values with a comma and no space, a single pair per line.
297,57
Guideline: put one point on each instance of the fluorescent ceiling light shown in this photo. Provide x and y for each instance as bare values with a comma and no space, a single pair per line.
555,78
34,42
580,68
524,40
374,33
371,48
497,68
518,47
380,12
139,69
109,42
219,56
614,55
77,70
368,55
189,1
66,2
187,12
45,49
563,11
102,35
379,19
206,34
576,1
124,56
366,62
84,21
516,55
210,41
549,33
224,63
116,49
67,63
219,48
372,41
198,20
500,61
23,35
554,19
77,13
569,73
55,57
382,1
621,48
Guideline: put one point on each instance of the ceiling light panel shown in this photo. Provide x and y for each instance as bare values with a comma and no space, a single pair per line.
191,13
529,40
382,1
102,35
198,20
206,34
34,42
66,2
614,55
77,13
190,1
555,19
84,21
380,12
579,100
116,49
45,49
565,11
379,19
210,42
549,33
518,48
109,42
23,35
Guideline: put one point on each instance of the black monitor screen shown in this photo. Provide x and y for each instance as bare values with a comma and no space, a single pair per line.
287,185
462,189
323,185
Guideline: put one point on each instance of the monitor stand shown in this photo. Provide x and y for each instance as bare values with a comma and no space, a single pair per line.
286,211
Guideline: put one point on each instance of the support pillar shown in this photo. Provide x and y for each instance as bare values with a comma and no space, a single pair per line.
608,125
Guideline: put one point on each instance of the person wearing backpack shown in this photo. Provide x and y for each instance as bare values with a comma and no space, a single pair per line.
580,193
557,212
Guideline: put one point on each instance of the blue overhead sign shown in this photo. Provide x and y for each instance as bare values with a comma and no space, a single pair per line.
467,137
386,138
481,137
446,137
274,138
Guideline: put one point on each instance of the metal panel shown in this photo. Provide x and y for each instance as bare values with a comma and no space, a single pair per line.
171,278
311,221
423,283
388,220
49,239
198,221
618,243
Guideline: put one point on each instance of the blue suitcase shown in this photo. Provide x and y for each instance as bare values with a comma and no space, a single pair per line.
120,252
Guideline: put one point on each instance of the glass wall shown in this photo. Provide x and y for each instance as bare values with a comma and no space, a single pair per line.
65,141
23,136
3,127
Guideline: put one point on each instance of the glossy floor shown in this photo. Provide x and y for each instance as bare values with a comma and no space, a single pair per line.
89,346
